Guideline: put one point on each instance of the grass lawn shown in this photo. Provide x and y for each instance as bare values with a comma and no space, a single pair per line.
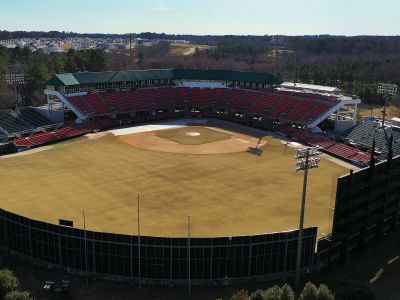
225,194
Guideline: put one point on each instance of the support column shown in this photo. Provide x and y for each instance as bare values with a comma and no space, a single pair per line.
355,114
5,233
59,249
286,254
63,111
211,263
48,105
337,118
249,269
94,255
30,242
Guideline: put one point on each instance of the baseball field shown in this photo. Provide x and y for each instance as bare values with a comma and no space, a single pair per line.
226,190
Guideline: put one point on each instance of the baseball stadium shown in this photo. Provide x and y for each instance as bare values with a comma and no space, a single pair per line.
170,176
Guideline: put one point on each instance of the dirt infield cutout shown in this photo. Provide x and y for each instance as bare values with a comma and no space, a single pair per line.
192,140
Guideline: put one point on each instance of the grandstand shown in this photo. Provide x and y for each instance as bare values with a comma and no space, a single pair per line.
30,116
249,104
12,124
123,97
232,95
22,122
370,130
60,134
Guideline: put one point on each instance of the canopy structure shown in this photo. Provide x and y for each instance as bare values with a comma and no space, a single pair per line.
110,77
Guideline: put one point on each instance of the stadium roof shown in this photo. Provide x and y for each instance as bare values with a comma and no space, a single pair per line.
311,87
69,79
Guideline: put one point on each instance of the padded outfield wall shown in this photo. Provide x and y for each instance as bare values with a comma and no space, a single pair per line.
220,260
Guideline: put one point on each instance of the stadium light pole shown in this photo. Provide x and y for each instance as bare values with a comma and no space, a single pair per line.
387,90
138,233
189,283
85,240
306,161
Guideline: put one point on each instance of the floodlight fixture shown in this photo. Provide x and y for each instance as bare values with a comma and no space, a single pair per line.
15,79
387,90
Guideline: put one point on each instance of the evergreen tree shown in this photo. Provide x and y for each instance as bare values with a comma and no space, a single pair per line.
309,292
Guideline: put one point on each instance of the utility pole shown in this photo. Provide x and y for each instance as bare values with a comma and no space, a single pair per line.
138,235
307,161
130,50
85,241
189,283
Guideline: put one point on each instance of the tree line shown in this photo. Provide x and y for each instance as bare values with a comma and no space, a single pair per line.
39,67
309,292
355,64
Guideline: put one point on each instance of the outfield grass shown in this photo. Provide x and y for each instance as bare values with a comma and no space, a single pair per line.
225,194
180,135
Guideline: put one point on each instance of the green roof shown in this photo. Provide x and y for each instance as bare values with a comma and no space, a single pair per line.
69,79
63,79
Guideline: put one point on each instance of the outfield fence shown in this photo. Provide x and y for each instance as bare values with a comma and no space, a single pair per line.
211,261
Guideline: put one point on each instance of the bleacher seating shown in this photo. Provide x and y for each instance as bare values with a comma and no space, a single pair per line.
370,130
81,104
42,138
68,132
185,93
133,99
171,94
155,97
201,97
98,105
116,102
240,100
282,108
328,145
35,118
266,101
296,108
163,102
3,136
302,108
219,95
12,124
22,142
232,104
319,108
